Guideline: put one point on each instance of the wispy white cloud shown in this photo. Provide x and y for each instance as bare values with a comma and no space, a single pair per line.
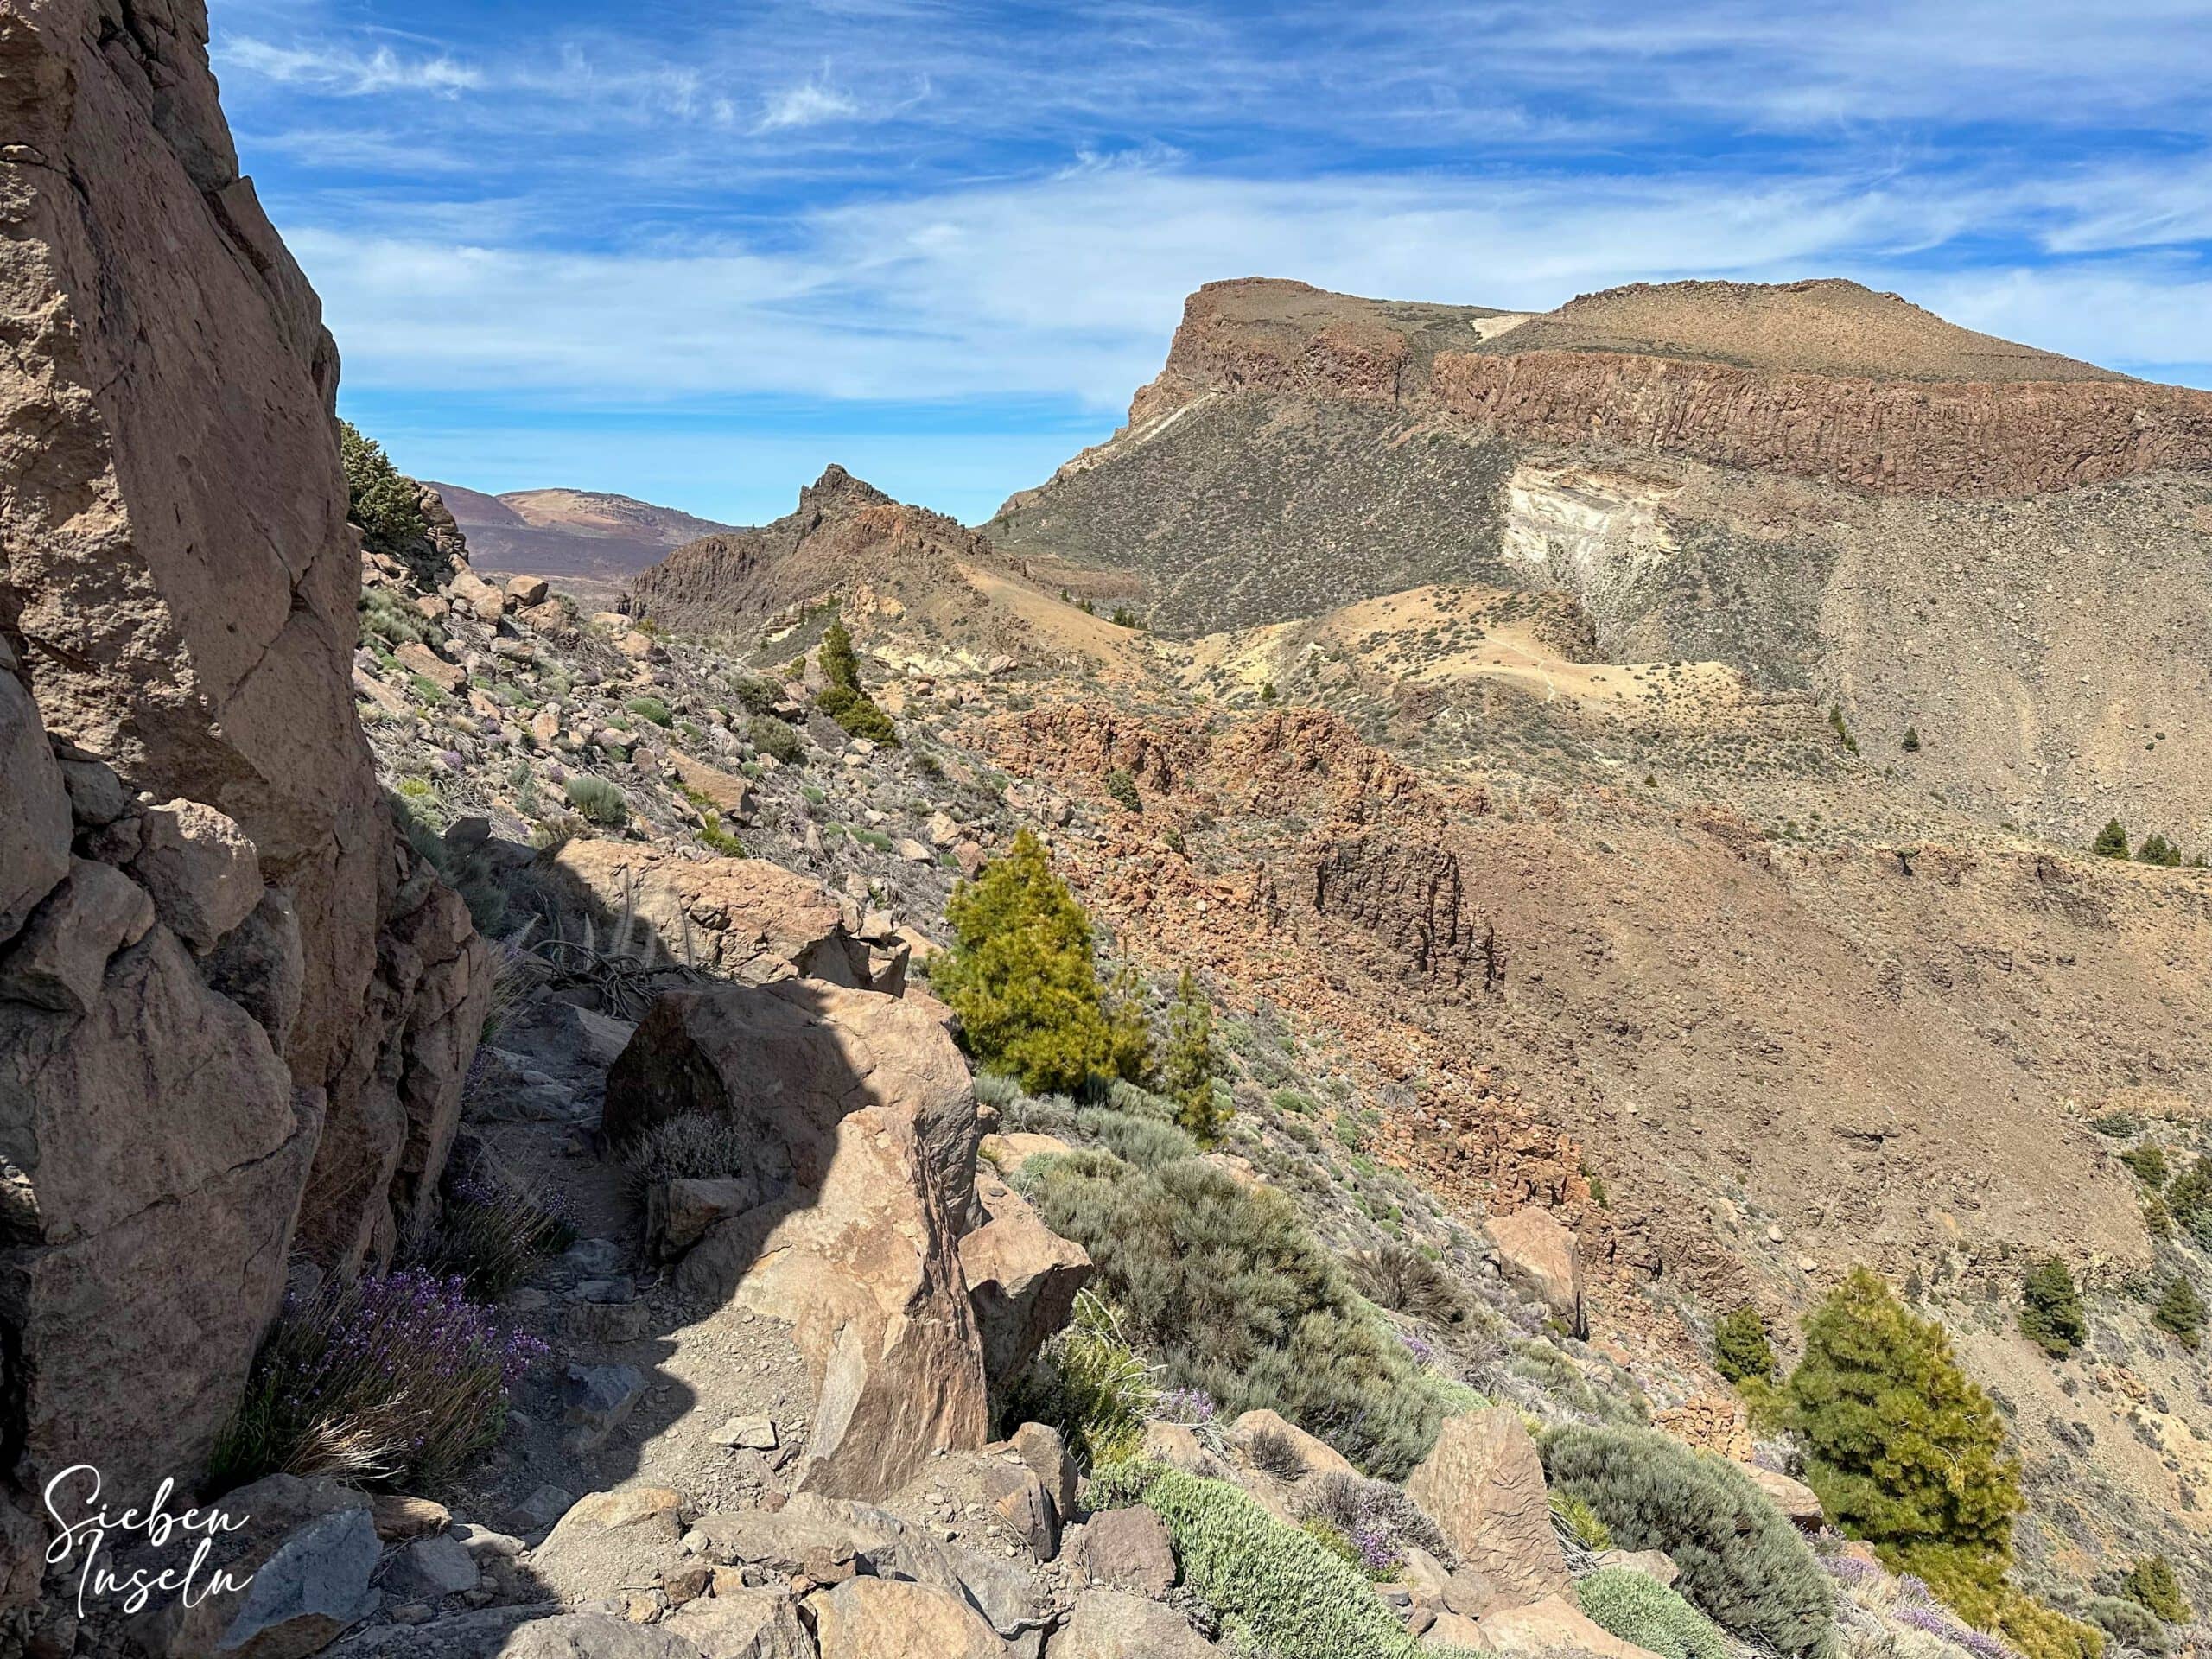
892,200
331,68
806,103
1067,286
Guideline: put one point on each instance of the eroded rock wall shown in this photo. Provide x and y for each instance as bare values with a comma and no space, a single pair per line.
1903,435
224,983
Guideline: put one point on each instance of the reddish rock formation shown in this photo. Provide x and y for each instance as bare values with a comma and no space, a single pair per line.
177,594
1851,386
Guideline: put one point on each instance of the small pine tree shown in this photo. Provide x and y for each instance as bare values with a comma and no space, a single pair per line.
1904,1449
1740,1350
1911,744
1842,732
1023,977
2180,1312
2189,1198
1186,1071
2150,1584
2051,1309
844,699
2111,842
2157,849
1123,790
2147,1159
841,663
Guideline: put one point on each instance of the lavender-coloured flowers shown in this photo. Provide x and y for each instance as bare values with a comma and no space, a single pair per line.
381,1378
1194,1408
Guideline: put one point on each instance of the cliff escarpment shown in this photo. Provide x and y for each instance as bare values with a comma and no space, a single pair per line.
1822,380
234,1013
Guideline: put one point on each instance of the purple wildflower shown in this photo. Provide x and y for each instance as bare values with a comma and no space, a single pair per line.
1192,1406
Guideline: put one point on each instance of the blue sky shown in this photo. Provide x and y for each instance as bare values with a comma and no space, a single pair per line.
693,250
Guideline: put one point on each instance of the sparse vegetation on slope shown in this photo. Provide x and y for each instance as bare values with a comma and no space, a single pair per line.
1237,1298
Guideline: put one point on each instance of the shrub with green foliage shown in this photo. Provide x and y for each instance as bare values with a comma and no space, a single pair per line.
383,500
1023,977
2129,1623
2189,1198
1399,1277
651,708
1574,1519
2051,1309
1188,1069
1740,1350
2146,1160
2157,849
716,839
1144,1142
1637,1608
2111,842
756,695
1904,1450
1122,789
599,801
856,712
2179,1311
1742,1563
1227,1287
1276,1589
1091,1385
2150,1584
771,737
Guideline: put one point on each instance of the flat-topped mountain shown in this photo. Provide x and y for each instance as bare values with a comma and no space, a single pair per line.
1829,490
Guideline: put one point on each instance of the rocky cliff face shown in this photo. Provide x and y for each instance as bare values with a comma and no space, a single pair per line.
1829,489
228,997
1895,404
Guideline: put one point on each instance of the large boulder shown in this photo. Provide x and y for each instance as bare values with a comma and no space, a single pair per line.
894,1619
862,1120
1799,1501
1483,1487
1022,1278
734,918
1112,1624
161,1145
610,1543
1545,1256
201,868
297,1572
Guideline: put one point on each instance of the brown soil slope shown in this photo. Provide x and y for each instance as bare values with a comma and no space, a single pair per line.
1887,1053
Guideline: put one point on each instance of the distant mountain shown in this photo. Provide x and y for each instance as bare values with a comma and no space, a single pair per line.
574,537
